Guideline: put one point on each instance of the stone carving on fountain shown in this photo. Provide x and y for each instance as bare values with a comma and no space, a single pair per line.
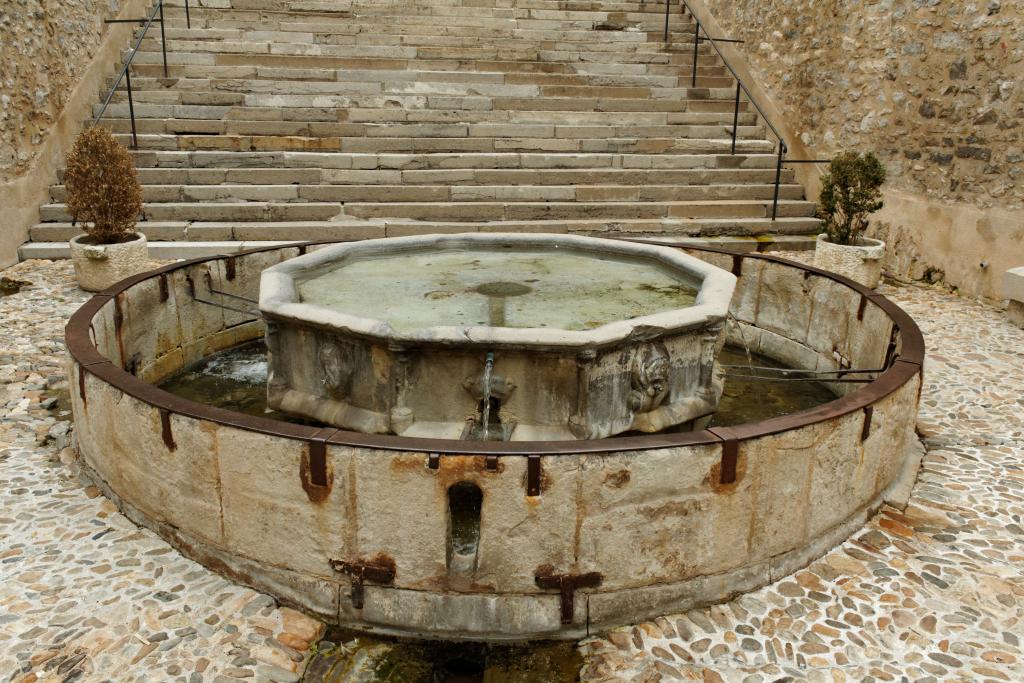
598,338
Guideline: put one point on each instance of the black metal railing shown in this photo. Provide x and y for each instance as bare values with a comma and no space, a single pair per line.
781,148
125,73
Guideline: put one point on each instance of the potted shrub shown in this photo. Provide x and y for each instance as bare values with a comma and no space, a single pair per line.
851,190
104,196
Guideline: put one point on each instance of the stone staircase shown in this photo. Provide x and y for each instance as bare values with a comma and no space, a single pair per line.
319,119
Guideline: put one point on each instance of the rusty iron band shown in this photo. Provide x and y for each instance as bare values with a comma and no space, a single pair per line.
902,368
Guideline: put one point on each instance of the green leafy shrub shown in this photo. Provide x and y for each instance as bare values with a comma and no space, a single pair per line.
850,191
103,191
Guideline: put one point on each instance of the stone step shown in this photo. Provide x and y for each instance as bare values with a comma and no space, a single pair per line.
337,6
314,68
326,107
453,211
165,251
373,145
467,177
605,21
221,232
407,29
152,78
302,193
556,210
504,51
176,126
237,90
241,65
410,47
475,116
287,160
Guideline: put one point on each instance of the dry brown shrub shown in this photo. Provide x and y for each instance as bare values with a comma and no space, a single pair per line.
103,191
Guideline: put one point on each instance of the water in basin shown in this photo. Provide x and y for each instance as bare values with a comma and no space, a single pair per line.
500,287
236,379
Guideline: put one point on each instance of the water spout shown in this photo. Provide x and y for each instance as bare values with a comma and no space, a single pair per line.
485,417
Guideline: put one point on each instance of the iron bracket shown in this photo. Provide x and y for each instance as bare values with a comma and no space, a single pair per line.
533,475
566,584
361,571
737,265
81,384
314,476
165,430
730,456
192,292
865,431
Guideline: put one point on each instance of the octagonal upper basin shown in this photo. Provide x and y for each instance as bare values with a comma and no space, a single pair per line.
537,336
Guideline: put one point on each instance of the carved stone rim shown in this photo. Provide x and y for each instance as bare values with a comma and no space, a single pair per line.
279,297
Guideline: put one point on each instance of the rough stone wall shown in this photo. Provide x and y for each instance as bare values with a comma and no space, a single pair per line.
934,87
45,46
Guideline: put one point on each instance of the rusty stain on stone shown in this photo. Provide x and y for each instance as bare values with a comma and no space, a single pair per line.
315,472
617,479
714,478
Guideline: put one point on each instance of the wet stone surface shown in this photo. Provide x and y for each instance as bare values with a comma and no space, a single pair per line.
933,593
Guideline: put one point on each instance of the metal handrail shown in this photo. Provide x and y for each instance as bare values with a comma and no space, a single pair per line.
125,73
741,88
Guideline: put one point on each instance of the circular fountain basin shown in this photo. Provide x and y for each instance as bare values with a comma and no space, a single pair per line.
494,540
517,337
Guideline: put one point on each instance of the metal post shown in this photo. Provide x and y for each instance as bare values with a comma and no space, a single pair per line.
131,108
736,116
188,17
668,6
163,39
778,179
696,43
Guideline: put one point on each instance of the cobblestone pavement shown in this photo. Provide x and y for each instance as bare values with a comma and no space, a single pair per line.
935,593
84,594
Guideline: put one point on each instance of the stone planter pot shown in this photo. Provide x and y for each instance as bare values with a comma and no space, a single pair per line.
98,266
861,262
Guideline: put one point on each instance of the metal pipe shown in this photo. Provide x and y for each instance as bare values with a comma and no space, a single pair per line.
696,44
124,69
820,380
188,17
131,110
778,179
163,38
736,118
735,75
763,368
668,6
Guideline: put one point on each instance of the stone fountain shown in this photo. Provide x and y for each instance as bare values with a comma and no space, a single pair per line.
492,540
496,336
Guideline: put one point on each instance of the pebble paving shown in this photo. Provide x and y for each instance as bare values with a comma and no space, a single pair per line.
932,593
85,595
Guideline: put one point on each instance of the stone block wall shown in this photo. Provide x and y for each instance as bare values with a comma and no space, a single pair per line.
55,56
936,89
45,46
